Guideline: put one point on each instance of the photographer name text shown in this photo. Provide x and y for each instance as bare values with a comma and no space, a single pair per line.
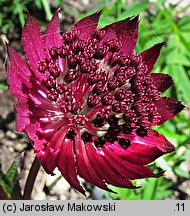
69,207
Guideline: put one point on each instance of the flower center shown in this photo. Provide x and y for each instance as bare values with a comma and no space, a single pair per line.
99,90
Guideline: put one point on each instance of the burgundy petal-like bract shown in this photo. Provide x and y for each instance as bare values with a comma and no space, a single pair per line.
168,108
87,26
87,101
126,31
67,165
52,36
18,74
22,116
162,81
111,175
129,36
150,55
33,42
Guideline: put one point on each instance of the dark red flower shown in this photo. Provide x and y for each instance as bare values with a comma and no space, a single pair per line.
87,101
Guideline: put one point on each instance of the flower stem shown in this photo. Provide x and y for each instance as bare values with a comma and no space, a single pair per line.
31,179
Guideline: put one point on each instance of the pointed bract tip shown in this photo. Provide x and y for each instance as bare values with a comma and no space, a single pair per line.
29,19
158,175
93,16
134,21
135,18
158,46
155,49
87,25
169,148
59,9
110,190
161,44
97,14
81,190
180,107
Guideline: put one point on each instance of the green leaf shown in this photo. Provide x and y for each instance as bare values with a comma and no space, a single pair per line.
157,189
38,4
150,189
184,21
126,194
10,181
163,194
104,21
177,57
181,80
12,174
136,9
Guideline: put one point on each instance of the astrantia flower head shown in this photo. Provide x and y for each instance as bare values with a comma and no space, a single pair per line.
87,101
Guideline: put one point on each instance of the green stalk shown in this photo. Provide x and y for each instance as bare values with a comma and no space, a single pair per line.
118,6
21,18
47,9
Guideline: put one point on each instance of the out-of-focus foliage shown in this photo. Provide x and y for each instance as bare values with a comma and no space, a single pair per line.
14,12
10,11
